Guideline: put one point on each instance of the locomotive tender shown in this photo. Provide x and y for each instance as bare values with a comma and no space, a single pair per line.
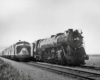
18,51
62,48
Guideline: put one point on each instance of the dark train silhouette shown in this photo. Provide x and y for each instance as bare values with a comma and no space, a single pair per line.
62,48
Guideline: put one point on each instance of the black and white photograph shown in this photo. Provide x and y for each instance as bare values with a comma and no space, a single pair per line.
49,39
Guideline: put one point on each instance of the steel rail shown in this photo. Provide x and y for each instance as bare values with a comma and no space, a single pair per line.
68,71
87,75
90,67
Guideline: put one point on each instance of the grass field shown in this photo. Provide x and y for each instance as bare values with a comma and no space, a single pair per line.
8,72
94,60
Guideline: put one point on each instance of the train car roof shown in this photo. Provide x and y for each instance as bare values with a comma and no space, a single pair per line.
22,42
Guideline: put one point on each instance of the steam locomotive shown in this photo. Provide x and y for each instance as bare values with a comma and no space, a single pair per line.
62,48
18,51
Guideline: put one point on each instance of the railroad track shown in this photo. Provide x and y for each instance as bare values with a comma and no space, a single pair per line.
69,71
90,67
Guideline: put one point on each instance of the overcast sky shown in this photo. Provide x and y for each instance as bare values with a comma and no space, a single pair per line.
31,20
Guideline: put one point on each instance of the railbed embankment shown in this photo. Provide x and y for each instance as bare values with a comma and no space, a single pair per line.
8,72
35,73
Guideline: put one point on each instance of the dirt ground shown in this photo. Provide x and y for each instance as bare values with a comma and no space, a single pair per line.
16,71
34,73
94,60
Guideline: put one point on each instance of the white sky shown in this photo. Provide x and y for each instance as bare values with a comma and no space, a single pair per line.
31,20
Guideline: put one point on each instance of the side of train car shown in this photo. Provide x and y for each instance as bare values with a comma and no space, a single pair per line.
18,51
62,48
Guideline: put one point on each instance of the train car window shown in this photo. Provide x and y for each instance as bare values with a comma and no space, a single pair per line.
19,48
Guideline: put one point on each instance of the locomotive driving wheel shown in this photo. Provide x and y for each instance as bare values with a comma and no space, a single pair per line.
56,59
68,62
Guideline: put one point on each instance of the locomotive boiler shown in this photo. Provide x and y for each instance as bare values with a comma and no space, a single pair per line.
62,48
18,51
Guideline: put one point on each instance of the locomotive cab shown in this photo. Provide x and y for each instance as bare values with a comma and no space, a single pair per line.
23,50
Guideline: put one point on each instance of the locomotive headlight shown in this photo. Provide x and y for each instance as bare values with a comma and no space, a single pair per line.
76,38
24,49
